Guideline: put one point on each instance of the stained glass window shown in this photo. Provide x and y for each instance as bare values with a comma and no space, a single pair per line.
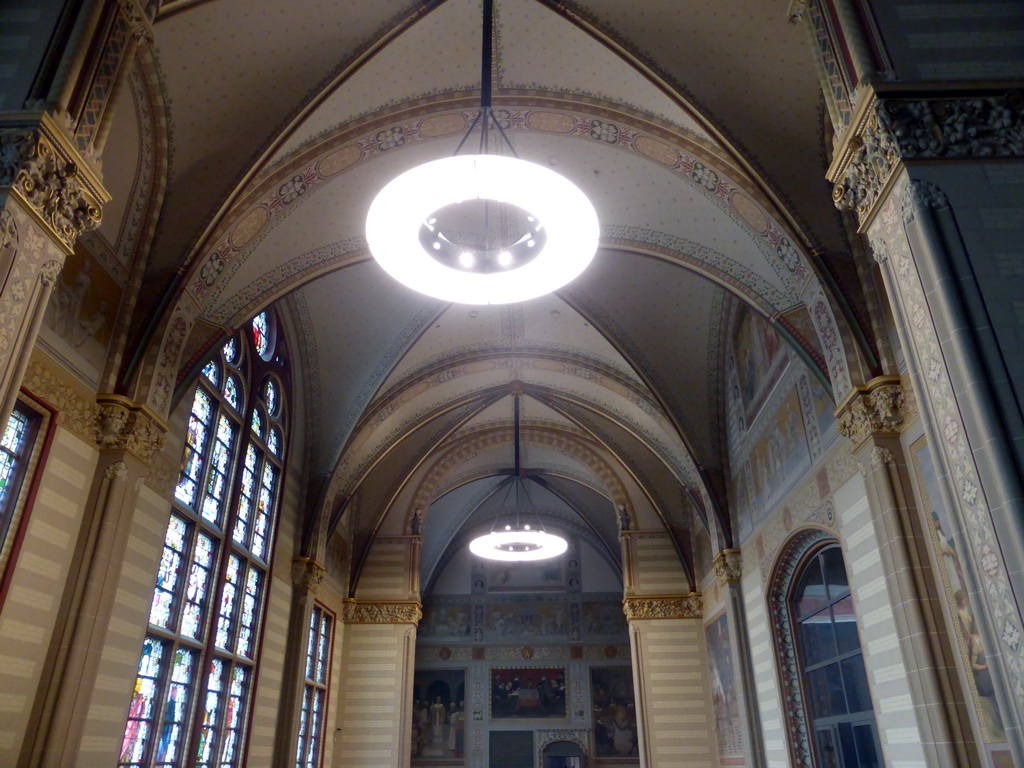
318,661
270,396
189,704
260,331
257,423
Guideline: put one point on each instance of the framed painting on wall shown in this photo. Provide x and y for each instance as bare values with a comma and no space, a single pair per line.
527,693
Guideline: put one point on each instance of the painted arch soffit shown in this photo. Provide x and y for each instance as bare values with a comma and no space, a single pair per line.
222,280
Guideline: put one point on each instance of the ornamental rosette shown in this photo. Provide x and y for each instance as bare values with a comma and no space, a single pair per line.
672,607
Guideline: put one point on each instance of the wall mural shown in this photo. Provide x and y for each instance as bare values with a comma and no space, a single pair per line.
972,649
438,716
528,693
80,315
723,689
543,576
613,709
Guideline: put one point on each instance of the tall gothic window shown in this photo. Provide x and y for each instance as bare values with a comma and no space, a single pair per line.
190,705
831,663
18,457
314,695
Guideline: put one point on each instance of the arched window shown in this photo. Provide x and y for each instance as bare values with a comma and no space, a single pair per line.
190,704
839,713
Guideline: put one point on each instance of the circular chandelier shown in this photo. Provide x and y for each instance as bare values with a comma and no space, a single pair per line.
549,243
483,228
519,542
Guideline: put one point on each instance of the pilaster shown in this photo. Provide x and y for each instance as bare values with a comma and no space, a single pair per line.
128,436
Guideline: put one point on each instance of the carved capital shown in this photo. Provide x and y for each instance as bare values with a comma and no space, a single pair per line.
382,612
46,172
881,456
49,271
307,574
888,130
728,565
876,408
116,471
138,20
122,425
671,607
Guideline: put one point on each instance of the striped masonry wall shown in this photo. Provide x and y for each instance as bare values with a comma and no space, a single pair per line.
766,681
376,678
887,674
33,601
386,574
671,679
655,565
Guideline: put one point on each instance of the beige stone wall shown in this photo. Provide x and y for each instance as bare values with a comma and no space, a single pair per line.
33,602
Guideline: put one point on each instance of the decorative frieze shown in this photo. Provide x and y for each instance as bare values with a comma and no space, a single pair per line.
728,565
43,169
887,131
875,408
669,607
381,612
130,427
547,736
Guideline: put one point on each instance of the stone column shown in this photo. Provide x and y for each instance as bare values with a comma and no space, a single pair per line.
128,436
307,575
374,724
921,697
728,566
670,678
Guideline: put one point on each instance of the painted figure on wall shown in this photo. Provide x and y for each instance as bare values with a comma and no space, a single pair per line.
613,709
723,688
527,693
438,716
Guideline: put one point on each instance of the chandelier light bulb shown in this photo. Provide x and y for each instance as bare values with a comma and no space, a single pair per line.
554,204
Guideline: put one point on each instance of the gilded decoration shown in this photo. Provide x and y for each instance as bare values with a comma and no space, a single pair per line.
887,131
672,607
48,174
728,565
383,612
122,425
877,407
307,574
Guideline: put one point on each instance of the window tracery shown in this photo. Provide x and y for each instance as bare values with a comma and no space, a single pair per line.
193,690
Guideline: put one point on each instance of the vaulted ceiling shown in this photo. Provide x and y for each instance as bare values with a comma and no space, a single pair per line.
693,127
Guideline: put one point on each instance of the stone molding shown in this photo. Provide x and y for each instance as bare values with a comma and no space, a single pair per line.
42,167
123,425
875,408
728,565
579,736
668,607
307,574
889,130
381,612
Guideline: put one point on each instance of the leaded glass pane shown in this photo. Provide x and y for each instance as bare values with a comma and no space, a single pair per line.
300,753
312,644
259,332
216,483
250,601
141,711
195,445
314,729
211,714
230,351
270,397
231,389
170,570
179,693
227,602
274,441
11,445
233,724
257,423
264,507
245,497
321,656
212,372
197,592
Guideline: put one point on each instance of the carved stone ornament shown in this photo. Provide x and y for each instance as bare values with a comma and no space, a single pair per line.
122,425
873,409
8,235
357,612
673,607
881,456
307,574
579,736
47,173
728,565
887,131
